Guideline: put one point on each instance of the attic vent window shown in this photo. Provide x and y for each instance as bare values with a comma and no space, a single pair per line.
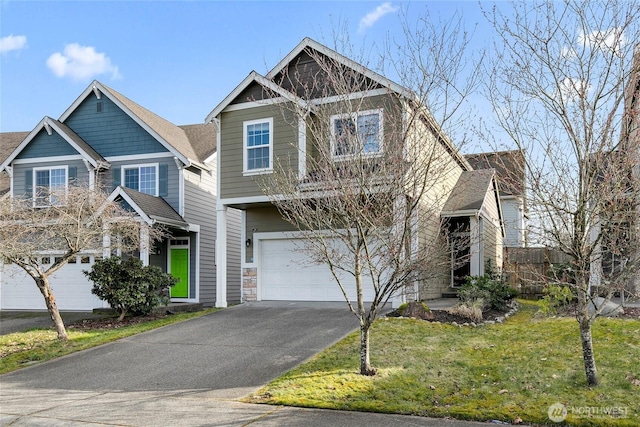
99,107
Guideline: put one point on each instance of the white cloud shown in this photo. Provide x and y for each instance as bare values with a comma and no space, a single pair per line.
572,90
12,42
612,39
373,16
81,63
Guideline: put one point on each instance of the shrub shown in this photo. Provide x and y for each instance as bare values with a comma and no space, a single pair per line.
556,296
128,286
486,292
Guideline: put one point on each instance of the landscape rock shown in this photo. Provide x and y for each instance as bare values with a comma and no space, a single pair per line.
610,309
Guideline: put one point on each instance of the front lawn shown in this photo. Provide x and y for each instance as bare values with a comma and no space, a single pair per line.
505,372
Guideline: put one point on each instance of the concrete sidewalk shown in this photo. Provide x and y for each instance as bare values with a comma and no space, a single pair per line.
184,408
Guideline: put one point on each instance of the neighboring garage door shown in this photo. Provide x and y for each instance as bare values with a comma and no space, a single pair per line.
71,288
287,274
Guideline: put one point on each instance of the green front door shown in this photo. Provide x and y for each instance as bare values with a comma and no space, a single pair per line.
180,270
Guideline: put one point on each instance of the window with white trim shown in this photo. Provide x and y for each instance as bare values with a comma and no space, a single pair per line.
357,133
49,182
143,178
258,145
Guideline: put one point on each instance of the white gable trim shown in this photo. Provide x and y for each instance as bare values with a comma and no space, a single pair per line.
47,124
310,43
257,78
120,192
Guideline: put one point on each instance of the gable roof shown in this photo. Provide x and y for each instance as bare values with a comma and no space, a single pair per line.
9,141
254,77
49,125
509,166
305,44
203,139
172,137
470,192
151,209
308,43
191,144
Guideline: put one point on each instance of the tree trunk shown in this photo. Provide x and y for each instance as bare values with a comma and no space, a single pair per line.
52,308
587,352
588,356
365,364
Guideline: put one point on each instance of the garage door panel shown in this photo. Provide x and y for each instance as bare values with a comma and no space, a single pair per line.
70,287
287,273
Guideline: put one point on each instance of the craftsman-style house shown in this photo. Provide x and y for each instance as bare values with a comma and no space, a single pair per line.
163,172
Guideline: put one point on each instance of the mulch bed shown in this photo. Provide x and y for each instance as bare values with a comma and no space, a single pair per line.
112,322
443,316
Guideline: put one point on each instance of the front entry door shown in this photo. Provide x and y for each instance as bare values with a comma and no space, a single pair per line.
179,267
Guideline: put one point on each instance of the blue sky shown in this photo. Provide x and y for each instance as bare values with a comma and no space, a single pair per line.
179,59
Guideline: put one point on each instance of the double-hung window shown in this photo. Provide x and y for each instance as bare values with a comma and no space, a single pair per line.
143,178
357,134
258,146
50,185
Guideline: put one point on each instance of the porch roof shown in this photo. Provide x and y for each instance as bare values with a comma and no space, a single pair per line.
469,192
152,208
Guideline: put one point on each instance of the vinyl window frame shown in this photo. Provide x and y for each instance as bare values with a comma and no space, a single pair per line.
354,116
36,187
156,167
246,148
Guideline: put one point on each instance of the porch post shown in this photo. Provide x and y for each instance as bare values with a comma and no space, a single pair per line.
106,241
221,256
144,245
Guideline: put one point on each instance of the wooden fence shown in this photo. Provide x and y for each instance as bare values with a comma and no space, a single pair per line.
527,269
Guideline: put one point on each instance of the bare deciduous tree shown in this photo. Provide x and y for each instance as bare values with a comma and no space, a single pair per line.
74,220
559,84
378,172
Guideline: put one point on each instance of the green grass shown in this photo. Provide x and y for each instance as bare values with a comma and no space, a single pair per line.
21,349
494,372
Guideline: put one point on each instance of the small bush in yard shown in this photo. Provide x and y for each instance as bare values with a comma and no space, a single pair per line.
472,312
556,296
128,286
488,290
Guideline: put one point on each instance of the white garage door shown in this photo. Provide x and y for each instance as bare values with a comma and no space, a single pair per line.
286,273
71,288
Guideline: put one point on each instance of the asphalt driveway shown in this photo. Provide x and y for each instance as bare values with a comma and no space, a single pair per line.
190,374
229,353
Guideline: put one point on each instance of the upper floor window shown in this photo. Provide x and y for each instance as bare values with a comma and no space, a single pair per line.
143,178
258,145
357,133
50,182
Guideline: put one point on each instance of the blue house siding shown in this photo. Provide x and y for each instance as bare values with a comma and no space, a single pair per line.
172,195
109,130
45,145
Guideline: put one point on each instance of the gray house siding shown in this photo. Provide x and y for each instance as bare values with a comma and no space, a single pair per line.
22,169
110,131
45,145
200,209
285,138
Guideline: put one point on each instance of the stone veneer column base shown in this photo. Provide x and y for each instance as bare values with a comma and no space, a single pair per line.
249,284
